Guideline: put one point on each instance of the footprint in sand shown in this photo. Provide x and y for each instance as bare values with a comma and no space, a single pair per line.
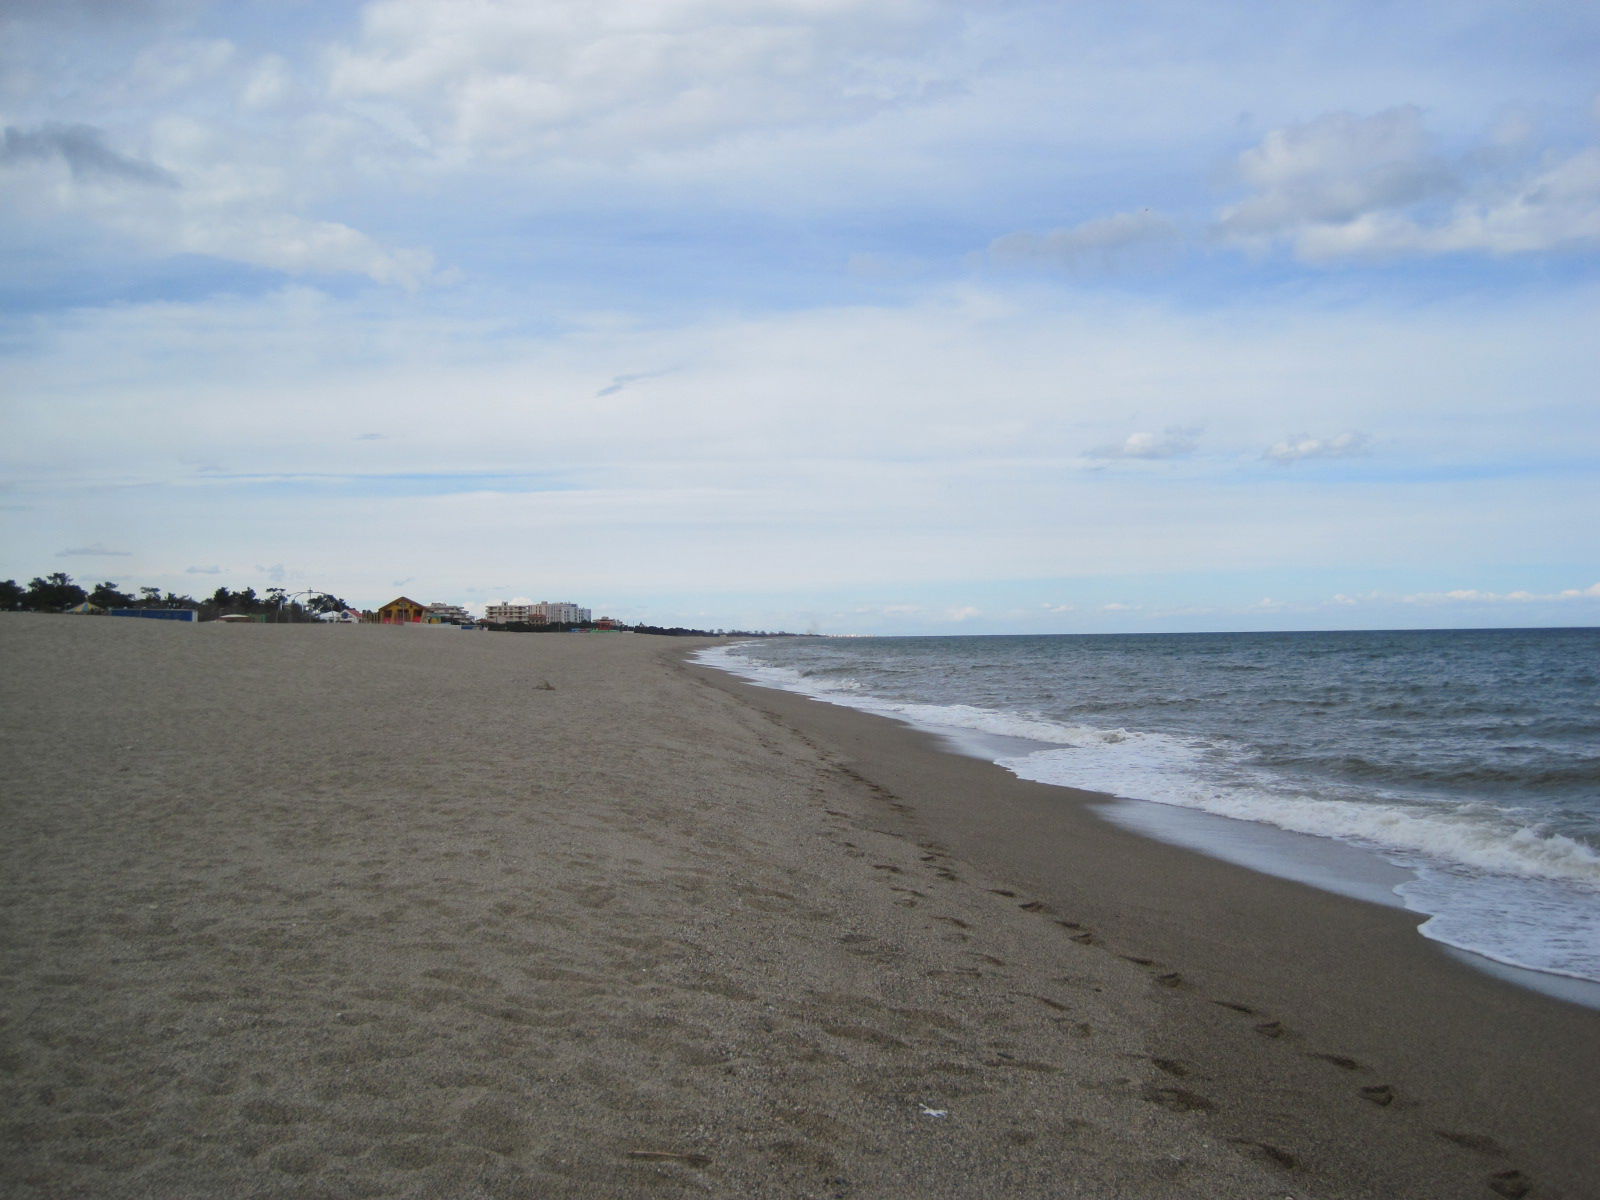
1511,1184
1343,1063
1177,1099
1473,1141
1268,1152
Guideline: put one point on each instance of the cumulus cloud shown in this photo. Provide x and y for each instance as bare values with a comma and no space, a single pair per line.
1343,186
1335,169
1102,243
84,150
1299,446
1173,442
211,570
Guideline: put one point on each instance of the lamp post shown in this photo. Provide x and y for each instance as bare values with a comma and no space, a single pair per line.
290,599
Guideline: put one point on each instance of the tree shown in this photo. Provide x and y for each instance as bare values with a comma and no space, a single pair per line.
53,593
12,595
106,595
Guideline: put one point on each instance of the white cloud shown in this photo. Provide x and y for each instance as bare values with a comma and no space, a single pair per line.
1103,243
96,551
1299,446
190,195
1334,169
270,83
172,66
84,151
1343,186
1520,596
1173,442
626,77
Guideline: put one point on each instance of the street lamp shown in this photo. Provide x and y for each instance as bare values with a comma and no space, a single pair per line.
290,599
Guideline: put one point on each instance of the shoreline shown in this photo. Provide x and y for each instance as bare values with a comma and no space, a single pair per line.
357,911
1325,861
1332,978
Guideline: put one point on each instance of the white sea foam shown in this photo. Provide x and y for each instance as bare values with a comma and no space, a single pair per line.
1492,883
1195,774
1521,922
1168,771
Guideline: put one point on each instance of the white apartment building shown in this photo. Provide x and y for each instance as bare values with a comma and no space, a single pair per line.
546,612
504,613
563,611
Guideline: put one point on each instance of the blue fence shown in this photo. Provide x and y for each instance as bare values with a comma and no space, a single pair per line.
158,614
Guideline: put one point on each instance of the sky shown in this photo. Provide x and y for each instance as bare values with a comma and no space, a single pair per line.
849,316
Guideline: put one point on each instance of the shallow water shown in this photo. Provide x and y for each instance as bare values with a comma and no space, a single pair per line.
1467,760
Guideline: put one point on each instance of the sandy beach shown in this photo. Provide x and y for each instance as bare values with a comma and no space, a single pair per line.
310,911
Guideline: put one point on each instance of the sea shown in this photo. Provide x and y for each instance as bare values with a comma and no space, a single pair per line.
1455,773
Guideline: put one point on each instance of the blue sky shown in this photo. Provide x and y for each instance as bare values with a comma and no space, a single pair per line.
866,316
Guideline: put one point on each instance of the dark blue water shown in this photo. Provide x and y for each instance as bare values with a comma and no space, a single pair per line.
1471,758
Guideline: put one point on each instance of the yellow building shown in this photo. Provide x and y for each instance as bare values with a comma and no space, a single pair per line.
402,611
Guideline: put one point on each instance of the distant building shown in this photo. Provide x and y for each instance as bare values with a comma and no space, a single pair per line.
402,610
563,612
506,614
546,612
453,614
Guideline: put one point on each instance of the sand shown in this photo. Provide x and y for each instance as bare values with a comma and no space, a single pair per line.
343,912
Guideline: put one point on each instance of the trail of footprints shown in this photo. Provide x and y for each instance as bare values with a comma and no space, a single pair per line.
1509,1183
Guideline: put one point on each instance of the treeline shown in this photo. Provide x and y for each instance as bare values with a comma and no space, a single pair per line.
57,593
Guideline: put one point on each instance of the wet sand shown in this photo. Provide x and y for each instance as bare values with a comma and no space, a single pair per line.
303,911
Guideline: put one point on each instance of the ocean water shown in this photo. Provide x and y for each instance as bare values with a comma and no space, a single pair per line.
1467,759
